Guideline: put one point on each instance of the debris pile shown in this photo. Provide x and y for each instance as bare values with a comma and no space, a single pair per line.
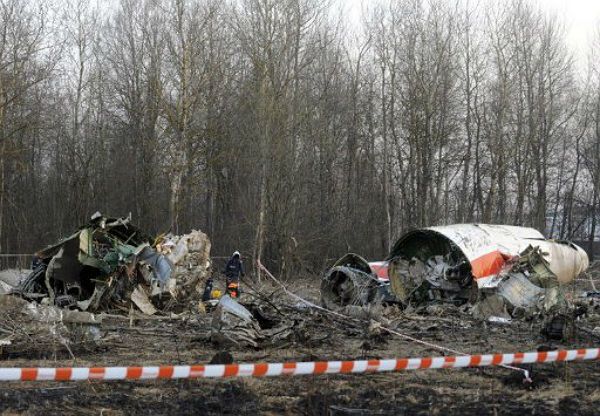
233,325
110,265
10,279
31,327
262,323
190,255
526,287
349,282
437,278
504,271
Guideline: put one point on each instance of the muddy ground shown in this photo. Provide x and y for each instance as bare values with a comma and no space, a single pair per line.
564,388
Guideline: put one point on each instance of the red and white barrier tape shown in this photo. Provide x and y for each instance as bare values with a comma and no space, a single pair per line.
290,368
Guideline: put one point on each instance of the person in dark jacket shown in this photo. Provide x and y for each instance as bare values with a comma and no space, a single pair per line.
233,270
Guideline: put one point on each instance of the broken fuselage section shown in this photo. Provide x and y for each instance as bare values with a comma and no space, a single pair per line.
503,269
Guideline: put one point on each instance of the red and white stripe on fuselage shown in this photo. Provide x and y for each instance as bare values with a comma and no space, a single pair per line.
380,268
486,267
489,246
483,268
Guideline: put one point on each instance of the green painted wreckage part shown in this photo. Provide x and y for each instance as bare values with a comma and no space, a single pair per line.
104,254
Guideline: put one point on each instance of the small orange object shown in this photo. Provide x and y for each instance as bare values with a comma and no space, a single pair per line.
232,289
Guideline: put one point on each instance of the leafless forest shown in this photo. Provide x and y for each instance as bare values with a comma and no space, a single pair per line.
280,129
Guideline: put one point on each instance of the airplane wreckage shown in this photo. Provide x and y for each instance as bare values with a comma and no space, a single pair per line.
502,271
110,263
109,266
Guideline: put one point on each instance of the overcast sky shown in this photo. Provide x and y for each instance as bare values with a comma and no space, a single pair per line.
581,18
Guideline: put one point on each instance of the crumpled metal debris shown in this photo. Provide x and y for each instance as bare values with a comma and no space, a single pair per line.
11,278
190,256
255,325
435,279
233,325
506,271
110,264
97,265
527,287
29,325
352,282
140,298
519,291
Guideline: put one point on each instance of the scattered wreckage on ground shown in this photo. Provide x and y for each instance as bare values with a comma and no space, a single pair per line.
110,266
110,263
352,281
503,271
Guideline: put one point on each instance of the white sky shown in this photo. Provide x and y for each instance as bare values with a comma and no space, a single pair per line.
581,19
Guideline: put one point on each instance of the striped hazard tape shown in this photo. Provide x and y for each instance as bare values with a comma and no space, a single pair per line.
290,368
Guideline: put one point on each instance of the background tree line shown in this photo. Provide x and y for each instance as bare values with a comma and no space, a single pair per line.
278,130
